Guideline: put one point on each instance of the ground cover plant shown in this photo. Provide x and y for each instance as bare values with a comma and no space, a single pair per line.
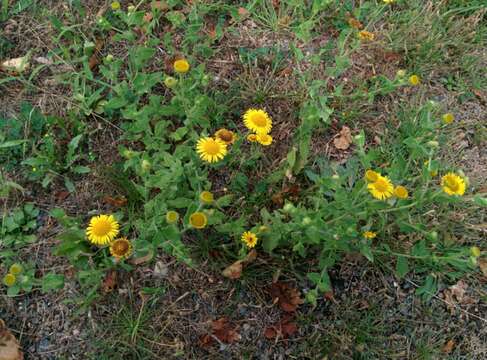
224,179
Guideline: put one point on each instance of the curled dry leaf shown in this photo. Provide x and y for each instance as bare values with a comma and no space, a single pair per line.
286,296
142,259
234,271
343,141
282,329
9,346
455,295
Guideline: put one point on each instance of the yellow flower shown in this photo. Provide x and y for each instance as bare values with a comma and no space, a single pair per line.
382,188
206,197
369,234
371,175
172,217
401,192
102,229
264,139
388,1
115,5
181,66
15,269
198,220
258,121
475,251
252,137
366,35
249,239
453,184
121,248
227,136
448,118
9,279
414,80
211,150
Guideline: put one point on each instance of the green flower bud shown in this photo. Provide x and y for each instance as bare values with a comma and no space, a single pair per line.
146,165
170,82
475,251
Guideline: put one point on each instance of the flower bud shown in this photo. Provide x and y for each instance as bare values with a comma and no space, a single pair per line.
433,143
170,82
475,251
146,165
306,221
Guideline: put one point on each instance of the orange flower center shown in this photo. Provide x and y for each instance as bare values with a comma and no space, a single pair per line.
101,228
225,135
120,247
259,120
212,147
381,185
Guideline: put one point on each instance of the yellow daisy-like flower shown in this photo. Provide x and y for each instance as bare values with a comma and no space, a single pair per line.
366,35
371,175
453,184
181,66
382,188
172,217
388,1
121,248
211,150
9,280
249,239
102,229
401,192
264,139
369,234
16,269
448,118
258,121
198,220
206,197
115,5
227,136
252,137
414,80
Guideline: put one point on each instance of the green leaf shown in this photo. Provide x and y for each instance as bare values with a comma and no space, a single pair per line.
52,281
402,266
367,252
480,201
225,200
271,241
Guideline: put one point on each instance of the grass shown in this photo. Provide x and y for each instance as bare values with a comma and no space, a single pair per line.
84,133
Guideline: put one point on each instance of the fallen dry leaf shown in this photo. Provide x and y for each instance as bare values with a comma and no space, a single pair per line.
234,271
223,330
9,346
448,347
147,17
17,65
483,266
118,201
356,24
455,295
160,5
283,329
344,140
288,297
110,282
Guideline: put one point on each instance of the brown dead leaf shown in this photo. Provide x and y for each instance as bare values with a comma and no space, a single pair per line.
234,271
343,141
483,266
455,295
282,329
110,282
288,297
95,59
448,346
223,330
118,201
9,346
61,195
